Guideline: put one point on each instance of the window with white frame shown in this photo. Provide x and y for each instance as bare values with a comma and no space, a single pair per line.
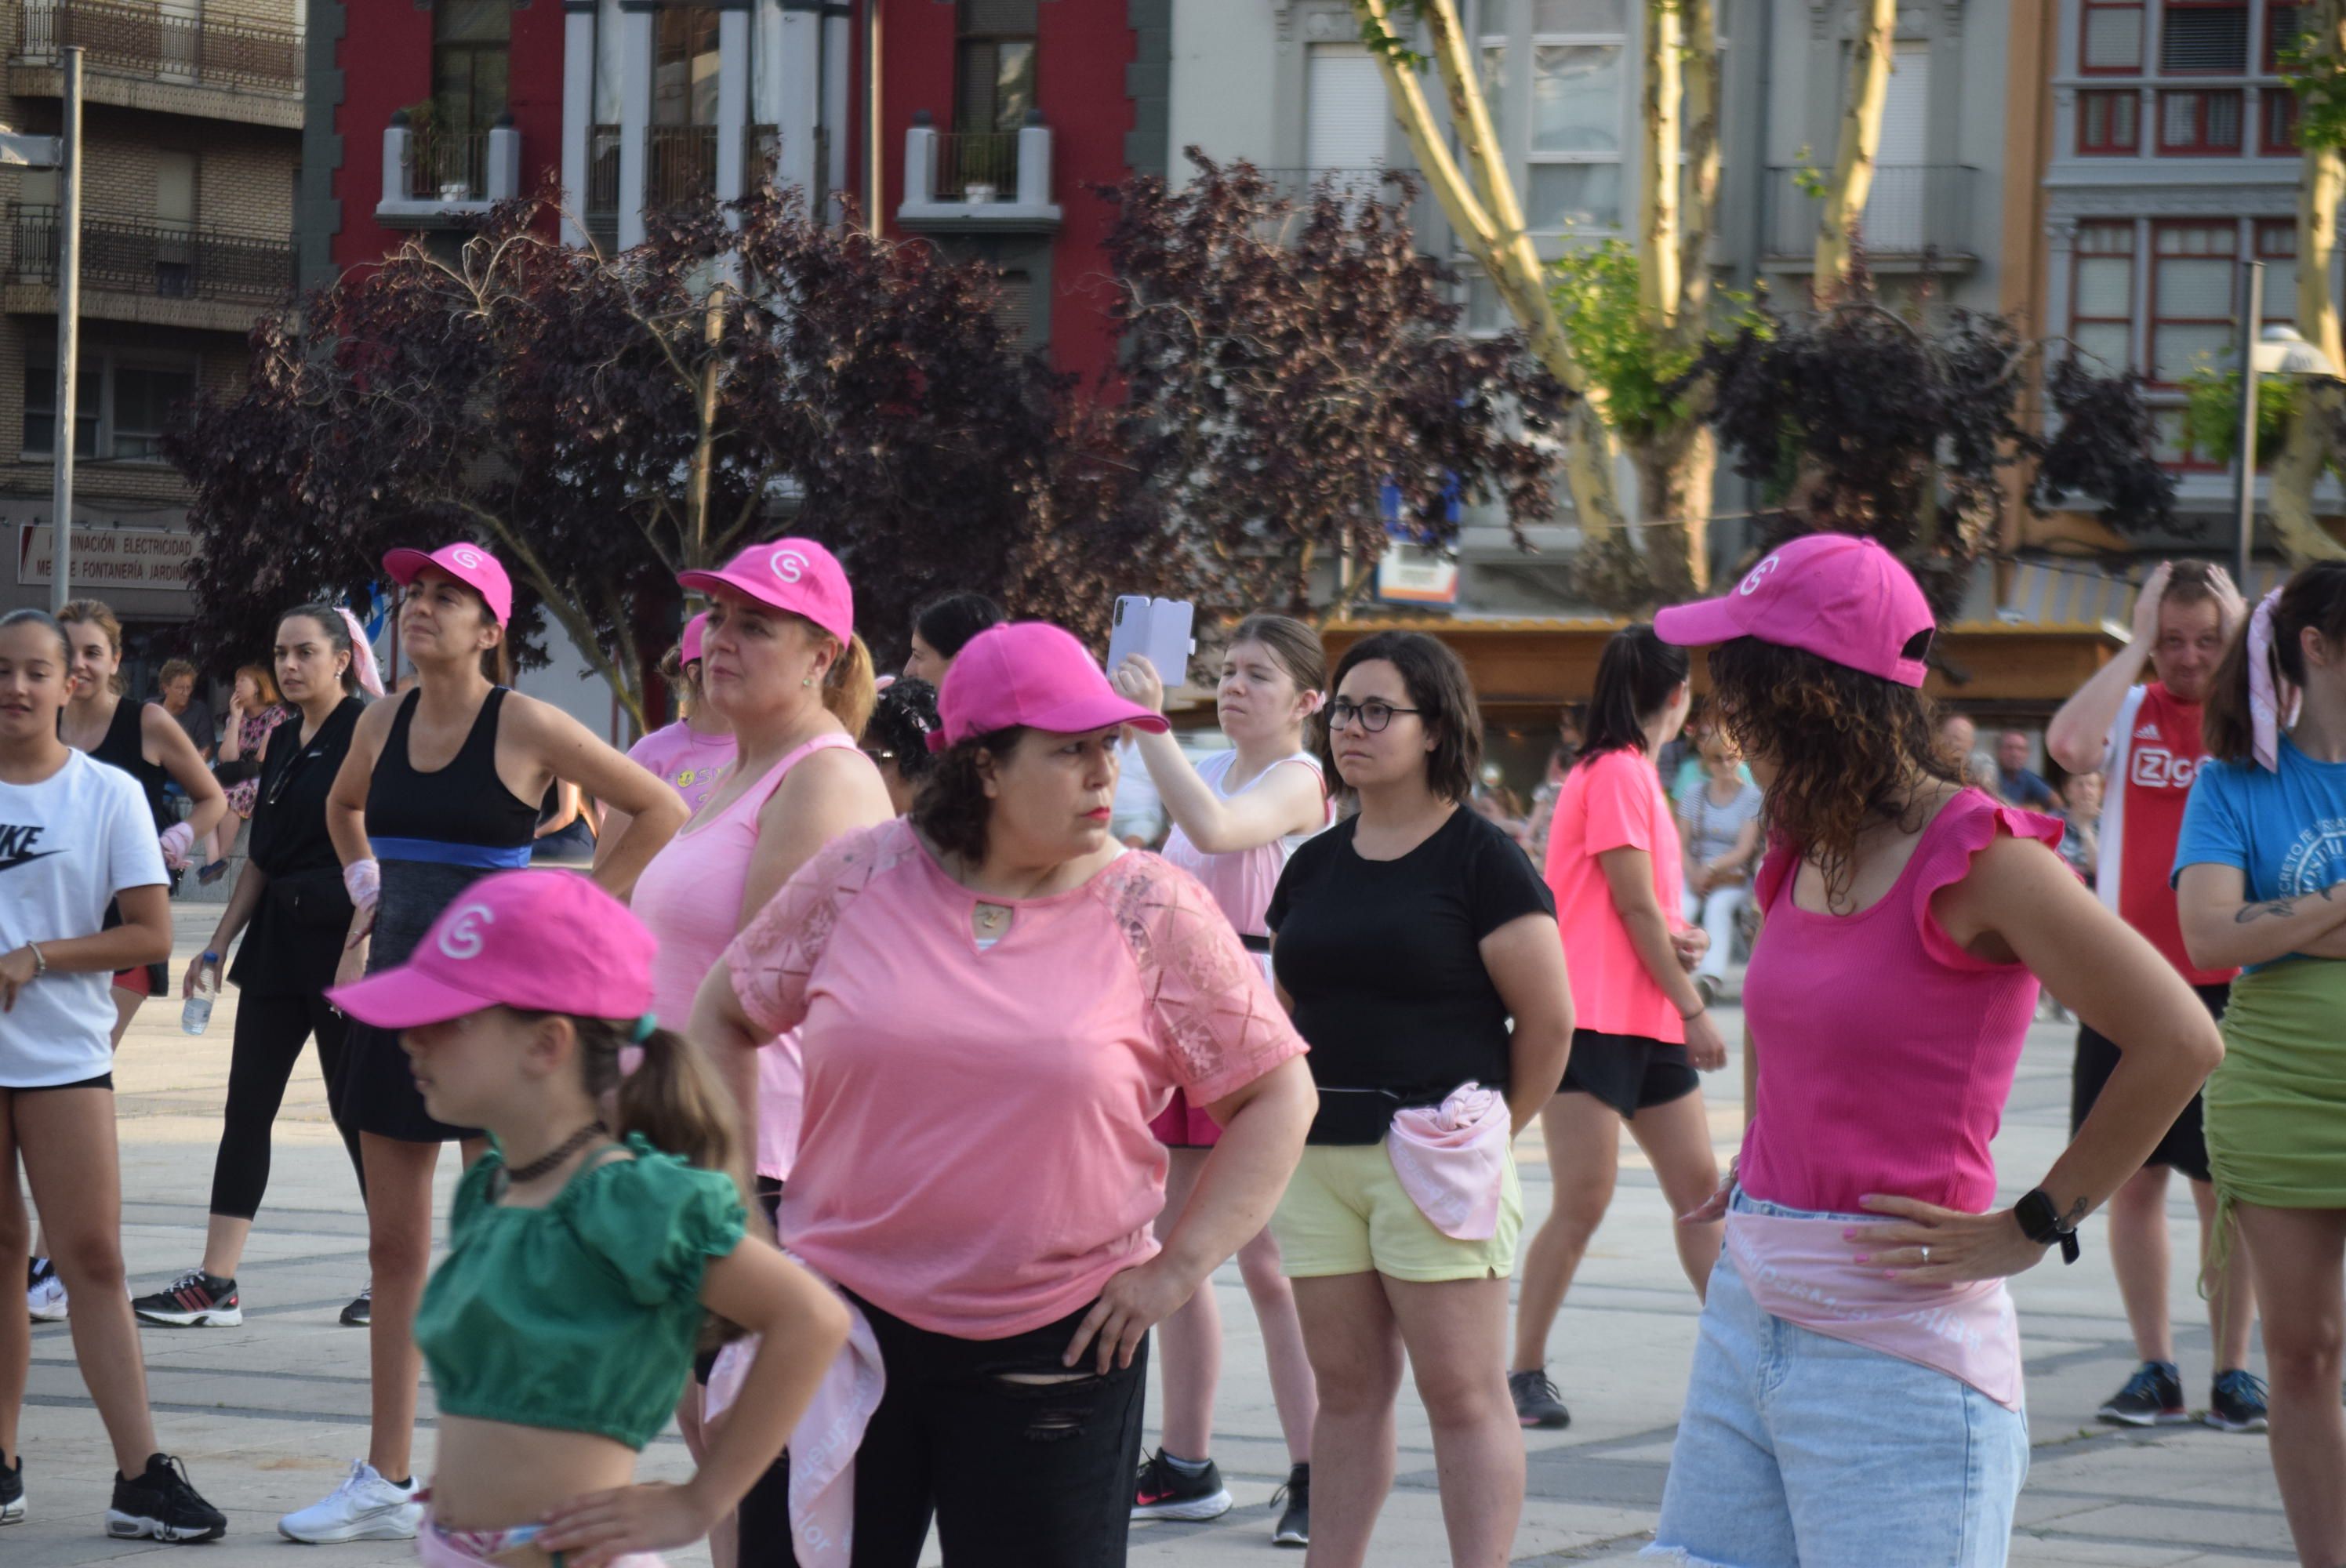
123,402
1578,102
2101,293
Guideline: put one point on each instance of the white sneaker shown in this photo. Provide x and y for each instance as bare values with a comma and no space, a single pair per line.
366,1507
46,1294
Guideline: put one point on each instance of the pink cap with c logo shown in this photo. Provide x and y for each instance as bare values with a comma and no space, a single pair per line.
797,576
468,563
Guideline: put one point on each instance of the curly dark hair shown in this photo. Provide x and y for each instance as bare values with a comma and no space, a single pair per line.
902,722
1851,749
951,809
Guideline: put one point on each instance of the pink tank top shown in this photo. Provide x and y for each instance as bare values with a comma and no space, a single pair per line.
689,897
1243,879
1886,1052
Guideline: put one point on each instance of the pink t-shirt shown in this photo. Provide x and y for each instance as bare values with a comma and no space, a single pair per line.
1886,1052
1613,802
976,1156
689,897
684,759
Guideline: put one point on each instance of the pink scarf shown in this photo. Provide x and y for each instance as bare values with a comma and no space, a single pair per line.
2272,696
1452,1160
1803,1271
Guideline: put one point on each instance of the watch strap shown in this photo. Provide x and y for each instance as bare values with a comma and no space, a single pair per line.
2041,1223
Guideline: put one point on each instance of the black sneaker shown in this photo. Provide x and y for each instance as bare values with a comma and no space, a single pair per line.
1538,1404
11,1491
360,1313
2153,1397
194,1300
1294,1526
162,1504
2236,1403
1164,1492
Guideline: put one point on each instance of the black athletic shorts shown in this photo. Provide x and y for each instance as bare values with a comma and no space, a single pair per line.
1628,1072
2185,1147
103,1081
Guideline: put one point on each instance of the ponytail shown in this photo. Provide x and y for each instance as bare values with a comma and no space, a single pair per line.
2225,724
849,689
1636,674
674,1097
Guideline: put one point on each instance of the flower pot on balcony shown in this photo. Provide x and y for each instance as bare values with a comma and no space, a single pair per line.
977,191
455,190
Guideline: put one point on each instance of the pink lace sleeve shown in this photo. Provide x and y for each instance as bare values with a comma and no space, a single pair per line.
771,960
1210,1007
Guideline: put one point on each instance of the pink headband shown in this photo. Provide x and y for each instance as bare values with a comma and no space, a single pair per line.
361,654
2272,696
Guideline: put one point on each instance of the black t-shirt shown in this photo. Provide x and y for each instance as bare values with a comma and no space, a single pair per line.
297,932
1382,960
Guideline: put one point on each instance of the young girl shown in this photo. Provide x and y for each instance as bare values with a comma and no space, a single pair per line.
1237,818
581,1267
253,712
76,838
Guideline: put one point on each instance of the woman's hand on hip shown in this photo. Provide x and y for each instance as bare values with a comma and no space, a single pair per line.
600,1527
1935,1246
1130,1304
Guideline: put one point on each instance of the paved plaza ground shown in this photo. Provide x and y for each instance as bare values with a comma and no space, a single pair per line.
269,1416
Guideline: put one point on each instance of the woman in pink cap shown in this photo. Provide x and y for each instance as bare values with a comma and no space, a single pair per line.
1856,1396
786,672
584,1264
689,754
440,785
995,998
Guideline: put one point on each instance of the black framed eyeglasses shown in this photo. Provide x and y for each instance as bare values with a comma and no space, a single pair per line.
1373,715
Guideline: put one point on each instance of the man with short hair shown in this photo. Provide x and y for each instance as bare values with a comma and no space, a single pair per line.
2143,738
2021,786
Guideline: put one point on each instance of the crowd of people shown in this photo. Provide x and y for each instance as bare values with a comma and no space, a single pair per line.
867,1095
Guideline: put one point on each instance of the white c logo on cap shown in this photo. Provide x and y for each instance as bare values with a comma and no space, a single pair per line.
787,565
1751,582
465,556
462,939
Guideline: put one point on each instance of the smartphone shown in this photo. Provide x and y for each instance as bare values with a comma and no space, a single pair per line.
1157,629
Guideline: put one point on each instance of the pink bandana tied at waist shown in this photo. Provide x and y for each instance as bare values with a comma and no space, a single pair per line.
1452,1160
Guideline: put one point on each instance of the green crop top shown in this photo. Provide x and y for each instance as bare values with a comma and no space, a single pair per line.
580,1315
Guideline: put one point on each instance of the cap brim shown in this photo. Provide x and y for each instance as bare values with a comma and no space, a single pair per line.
405,564
748,585
1699,625
399,998
1087,714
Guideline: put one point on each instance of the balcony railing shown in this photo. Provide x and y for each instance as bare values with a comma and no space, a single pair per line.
1913,210
193,50
680,165
978,166
448,165
140,256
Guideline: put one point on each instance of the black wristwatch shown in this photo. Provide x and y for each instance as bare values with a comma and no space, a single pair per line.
2041,1223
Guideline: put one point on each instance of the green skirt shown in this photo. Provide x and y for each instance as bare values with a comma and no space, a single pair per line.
2275,1105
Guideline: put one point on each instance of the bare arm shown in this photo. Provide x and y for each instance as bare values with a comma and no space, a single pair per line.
243,899
170,745
2221,929
721,1028
142,937
568,750
1287,800
231,744
1524,958
1629,876
346,802
831,792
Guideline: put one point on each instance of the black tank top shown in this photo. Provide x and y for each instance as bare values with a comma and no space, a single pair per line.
125,747
464,803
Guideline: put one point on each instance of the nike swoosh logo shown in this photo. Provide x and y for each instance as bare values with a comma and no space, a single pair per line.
13,862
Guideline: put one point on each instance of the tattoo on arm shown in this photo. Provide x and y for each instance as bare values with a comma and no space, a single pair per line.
2076,1214
2281,909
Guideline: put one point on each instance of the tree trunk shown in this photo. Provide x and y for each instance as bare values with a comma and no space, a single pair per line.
1490,227
1852,181
1702,163
1675,472
2313,434
1657,231
704,448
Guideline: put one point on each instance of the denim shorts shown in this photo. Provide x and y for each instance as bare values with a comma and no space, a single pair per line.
1799,1450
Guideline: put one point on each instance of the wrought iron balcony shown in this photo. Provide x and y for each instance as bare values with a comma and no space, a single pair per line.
141,255
1915,210
185,50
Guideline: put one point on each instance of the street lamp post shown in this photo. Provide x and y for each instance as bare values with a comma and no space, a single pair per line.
2278,350
61,152
2252,314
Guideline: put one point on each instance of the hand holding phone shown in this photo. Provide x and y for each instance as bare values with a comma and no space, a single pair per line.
1157,630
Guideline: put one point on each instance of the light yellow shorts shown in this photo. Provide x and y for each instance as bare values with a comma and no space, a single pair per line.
1345,1212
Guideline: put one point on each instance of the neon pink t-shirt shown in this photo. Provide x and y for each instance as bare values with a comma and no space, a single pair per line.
1886,1052
976,1157
684,759
689,897
1613,802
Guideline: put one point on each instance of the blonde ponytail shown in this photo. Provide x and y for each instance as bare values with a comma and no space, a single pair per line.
848,689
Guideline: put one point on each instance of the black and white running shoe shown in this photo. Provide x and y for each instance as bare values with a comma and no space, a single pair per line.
360,1313
1538,1403
2153,1397
194,1300
2236,1403
1294,1526
1166,1491
163,1505
11,1491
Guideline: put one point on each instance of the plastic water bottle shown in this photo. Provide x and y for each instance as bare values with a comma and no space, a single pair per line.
197,1017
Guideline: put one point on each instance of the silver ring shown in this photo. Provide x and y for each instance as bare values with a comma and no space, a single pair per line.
1926,1255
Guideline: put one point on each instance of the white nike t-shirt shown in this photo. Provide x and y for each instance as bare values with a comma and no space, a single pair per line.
67,845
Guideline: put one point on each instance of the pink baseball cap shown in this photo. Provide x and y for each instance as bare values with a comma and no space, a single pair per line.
1032,675
468,563
794,575
545,942
694,629
1840,598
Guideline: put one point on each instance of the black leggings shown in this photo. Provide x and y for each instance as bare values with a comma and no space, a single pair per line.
1018,1475
269,1034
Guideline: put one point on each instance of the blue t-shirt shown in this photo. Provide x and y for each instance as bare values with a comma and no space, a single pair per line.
2285,831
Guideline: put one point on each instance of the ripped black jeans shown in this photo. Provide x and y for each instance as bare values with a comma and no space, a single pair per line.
1019,1473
